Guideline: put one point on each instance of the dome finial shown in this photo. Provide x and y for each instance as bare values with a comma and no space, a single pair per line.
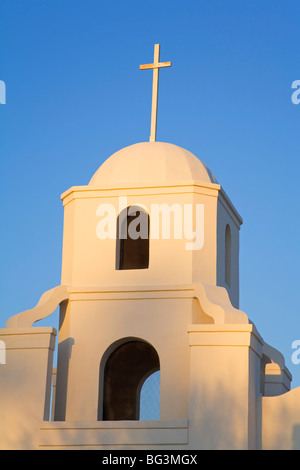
155,66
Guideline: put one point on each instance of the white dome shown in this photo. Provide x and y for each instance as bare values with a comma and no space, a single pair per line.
153,163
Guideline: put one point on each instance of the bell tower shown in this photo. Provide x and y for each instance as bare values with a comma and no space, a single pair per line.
150,282
141,285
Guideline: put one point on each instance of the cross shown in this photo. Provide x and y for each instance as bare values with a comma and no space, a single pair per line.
155,66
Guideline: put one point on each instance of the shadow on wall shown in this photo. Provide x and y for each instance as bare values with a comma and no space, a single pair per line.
296,437
64,356
220,420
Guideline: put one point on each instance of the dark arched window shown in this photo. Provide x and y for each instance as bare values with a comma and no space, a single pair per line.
132,248
228,255
125,371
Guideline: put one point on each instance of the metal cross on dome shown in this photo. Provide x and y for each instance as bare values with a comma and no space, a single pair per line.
155,66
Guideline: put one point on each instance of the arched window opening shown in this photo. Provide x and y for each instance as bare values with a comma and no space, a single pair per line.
228,255
132,249
125,372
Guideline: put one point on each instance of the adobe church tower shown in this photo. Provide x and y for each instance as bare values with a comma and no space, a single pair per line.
157,291
130,305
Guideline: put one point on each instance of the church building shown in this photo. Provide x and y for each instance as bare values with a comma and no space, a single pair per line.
149,282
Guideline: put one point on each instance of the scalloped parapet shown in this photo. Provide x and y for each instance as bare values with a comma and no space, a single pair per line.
49,301
214,301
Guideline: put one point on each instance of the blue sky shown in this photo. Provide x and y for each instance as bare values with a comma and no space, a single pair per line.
75,95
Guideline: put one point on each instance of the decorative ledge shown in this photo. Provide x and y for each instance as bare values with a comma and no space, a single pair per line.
113,434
